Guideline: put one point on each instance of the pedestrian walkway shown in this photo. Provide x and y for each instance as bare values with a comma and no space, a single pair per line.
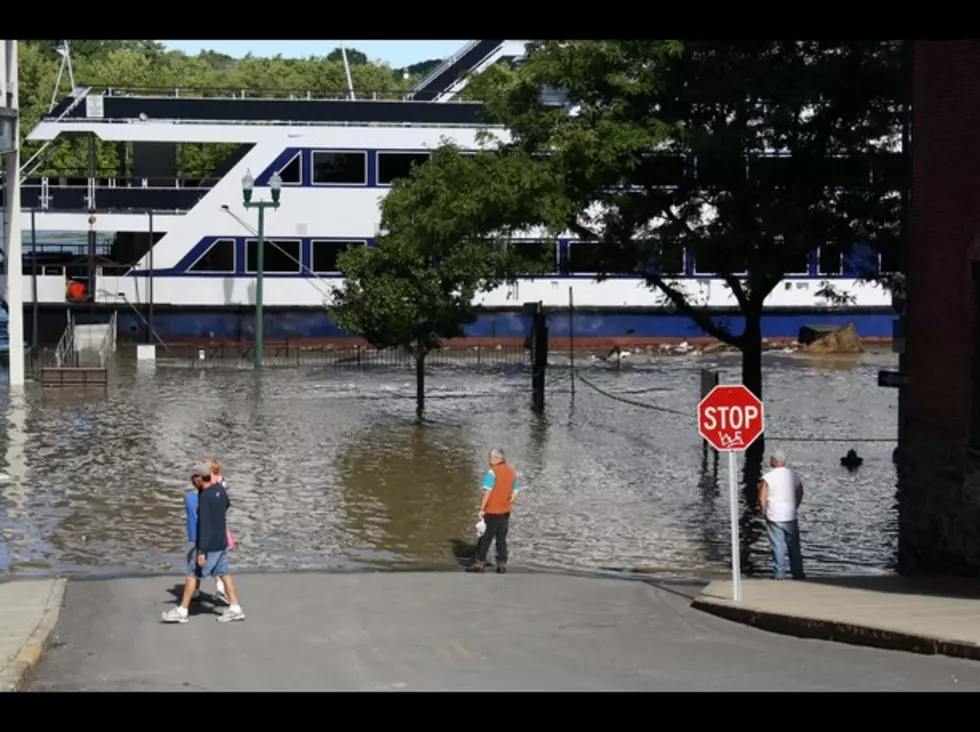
28,612
922,615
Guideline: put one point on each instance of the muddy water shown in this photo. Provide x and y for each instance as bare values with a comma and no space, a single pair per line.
328,468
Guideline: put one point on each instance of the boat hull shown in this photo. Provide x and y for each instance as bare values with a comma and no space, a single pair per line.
622,326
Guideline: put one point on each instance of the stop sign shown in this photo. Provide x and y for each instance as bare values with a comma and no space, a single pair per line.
731,417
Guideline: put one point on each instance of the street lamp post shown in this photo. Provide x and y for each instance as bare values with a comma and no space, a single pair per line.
275,188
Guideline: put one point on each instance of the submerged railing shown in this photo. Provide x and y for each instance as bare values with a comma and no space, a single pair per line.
65,354
108,345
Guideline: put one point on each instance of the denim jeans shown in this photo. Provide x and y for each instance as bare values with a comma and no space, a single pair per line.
785,539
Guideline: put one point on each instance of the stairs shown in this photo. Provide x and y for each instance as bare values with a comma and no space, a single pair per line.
82,356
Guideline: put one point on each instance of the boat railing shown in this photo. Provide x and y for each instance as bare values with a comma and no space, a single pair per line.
108,345
191,92
65,355
35,161
111,179
441,68
453,89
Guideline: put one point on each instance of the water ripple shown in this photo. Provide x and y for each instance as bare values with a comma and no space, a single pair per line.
329,469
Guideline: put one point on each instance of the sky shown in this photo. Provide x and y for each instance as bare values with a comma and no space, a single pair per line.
397,53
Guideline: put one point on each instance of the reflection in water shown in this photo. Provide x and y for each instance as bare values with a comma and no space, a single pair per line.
403,492
328,468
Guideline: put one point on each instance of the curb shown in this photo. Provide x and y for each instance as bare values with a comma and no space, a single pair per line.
830,630
16,675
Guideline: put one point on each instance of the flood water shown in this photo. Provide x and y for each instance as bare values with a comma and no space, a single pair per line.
328,468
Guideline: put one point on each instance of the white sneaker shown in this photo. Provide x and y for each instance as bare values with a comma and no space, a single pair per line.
231,614
175,615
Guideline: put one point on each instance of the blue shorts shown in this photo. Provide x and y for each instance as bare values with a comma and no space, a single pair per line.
215,564
192,570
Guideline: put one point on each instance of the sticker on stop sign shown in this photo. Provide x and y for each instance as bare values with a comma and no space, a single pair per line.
731,417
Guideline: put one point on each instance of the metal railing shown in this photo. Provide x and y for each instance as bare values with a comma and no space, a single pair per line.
108,345
441,68
342,355
192,92
66,355
79,93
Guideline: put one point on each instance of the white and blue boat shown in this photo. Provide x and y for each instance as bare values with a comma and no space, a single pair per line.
154,232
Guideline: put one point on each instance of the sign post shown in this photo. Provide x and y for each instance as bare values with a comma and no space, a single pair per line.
731,418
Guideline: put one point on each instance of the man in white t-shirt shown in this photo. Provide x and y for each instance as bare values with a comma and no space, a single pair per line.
780,493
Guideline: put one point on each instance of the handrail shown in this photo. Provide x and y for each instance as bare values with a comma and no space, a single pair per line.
441,68
108,345
65,353
79,93
211,92
454,88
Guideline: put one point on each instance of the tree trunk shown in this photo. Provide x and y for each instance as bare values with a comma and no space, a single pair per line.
419,385
752,380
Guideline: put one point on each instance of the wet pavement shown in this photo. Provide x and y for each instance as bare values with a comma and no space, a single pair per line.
449,631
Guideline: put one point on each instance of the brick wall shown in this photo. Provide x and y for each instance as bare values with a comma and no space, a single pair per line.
945,220
939,511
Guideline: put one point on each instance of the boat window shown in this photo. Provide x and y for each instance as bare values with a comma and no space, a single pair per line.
325,254
278,255
583,257
719,260
668,260
537,253
220,257
590,257
890,261
292,172
339,168
830,260
394,165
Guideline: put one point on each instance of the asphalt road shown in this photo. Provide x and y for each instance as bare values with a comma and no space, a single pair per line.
451,631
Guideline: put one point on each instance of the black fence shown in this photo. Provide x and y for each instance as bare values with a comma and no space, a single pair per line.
340,356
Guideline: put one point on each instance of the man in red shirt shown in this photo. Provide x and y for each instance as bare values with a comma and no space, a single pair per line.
500,488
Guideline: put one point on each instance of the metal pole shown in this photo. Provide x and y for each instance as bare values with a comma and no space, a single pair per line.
149,319
904,248
733,500
10,101
34,306
571,335
259,266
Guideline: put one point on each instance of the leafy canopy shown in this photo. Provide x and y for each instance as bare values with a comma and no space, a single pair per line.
748,154
419,283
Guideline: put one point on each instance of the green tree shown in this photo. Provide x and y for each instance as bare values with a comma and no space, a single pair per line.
393,297
354,56
418,285
651,147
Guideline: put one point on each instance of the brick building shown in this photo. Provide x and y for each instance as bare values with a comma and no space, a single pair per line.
939,484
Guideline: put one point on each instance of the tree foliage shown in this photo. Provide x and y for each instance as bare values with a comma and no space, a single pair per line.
148,65
419,284
748,154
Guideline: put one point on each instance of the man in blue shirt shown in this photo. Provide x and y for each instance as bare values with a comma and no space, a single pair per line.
211,554
199,481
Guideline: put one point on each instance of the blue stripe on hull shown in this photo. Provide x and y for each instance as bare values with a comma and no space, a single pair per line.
190,323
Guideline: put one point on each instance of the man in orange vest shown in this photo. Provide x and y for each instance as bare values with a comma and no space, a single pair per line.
500,488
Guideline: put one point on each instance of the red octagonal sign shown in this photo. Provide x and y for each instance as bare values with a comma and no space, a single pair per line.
731,417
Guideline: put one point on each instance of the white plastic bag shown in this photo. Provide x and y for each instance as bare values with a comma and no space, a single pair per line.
481,527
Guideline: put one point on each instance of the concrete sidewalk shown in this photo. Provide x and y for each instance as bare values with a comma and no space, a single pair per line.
28,613
921,615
